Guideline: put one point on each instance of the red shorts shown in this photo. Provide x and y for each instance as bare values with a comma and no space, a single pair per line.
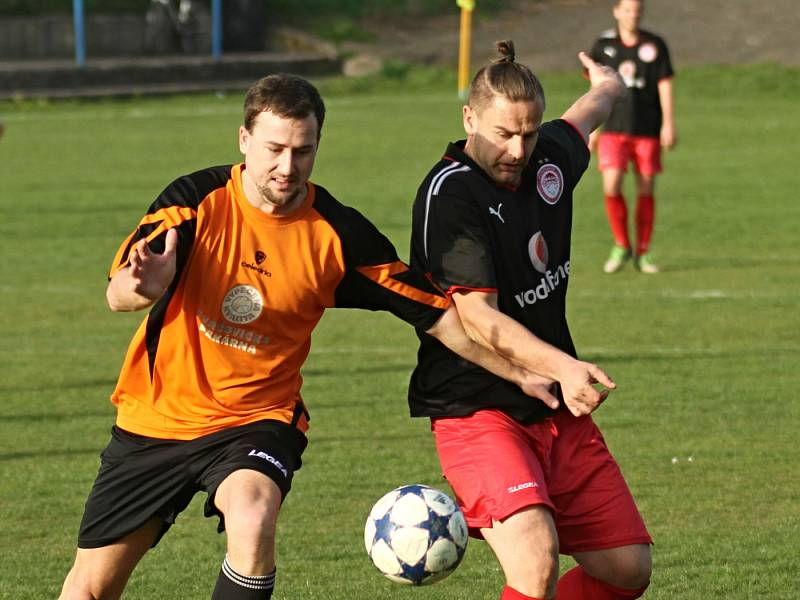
497,467
616,150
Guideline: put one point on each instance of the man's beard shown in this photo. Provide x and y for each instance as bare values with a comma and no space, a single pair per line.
278,200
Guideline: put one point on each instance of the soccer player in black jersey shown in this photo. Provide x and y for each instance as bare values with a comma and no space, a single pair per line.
491,226
636,130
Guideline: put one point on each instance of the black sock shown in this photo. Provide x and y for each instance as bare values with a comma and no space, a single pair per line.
232,586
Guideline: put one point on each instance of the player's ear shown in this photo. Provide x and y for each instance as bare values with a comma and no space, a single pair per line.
470,119
244,139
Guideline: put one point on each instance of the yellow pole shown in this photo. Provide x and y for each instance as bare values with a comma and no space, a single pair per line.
464,43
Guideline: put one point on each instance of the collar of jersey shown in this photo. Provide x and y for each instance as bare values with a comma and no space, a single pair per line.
260,215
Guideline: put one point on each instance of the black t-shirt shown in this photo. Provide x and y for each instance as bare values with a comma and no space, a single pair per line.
641,67
468,232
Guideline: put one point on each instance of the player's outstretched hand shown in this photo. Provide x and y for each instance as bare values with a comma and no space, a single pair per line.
599,74
151,273
577,385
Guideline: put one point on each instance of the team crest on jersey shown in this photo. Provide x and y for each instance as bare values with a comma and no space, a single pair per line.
537,251
242,304
550,183
627,70
648,52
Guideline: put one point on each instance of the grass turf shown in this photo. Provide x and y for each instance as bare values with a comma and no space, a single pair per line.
703,424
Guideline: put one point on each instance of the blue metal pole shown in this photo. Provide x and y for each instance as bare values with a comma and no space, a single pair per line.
216,29
80,37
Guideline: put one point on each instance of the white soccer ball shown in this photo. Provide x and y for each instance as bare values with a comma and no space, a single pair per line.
416,535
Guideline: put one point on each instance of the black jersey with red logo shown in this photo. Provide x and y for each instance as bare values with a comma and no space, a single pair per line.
641,67
470,233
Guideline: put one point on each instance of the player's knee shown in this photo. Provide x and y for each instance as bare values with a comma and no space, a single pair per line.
80,585
550,566
539,573
250,503
635,568
252,519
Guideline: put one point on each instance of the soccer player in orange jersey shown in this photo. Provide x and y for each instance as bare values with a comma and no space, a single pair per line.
236,265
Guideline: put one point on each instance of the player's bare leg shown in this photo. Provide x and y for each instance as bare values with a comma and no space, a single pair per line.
617,212
645,218
101,573
526,545
613,574
250,502
612,181
626,567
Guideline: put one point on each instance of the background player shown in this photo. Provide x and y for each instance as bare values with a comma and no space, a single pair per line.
635,131
236,264
492,225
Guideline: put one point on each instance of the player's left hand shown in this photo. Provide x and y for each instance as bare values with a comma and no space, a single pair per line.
669,137
580,394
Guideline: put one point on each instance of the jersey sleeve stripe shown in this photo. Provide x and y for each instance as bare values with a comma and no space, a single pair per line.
165,218
384,274
171,216
433,190
121,257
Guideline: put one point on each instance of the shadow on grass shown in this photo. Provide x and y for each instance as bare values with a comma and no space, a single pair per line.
377,437
46,386
9,456
322,372
54,417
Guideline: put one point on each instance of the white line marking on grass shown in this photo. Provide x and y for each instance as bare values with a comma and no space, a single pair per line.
679,294
678,350
721,294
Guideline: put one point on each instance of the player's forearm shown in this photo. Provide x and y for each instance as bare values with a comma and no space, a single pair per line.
592,109
450,332
122,293
665,99
511,340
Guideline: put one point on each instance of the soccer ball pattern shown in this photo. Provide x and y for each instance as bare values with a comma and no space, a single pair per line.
416,535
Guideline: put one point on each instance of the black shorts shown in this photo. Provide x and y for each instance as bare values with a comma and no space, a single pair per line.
142,477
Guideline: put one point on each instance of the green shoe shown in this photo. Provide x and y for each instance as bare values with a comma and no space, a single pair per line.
645,264
618,257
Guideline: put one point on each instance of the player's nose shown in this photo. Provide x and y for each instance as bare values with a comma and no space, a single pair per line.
516,148
286,163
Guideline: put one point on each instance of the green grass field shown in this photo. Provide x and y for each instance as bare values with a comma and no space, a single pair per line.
705,353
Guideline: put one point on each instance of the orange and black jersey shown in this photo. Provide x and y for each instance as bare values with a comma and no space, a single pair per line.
469,233
224,346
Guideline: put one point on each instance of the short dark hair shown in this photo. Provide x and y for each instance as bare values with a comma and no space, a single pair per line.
504,77
287,96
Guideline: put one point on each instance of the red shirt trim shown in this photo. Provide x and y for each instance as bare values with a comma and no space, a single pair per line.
585,141
463,288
